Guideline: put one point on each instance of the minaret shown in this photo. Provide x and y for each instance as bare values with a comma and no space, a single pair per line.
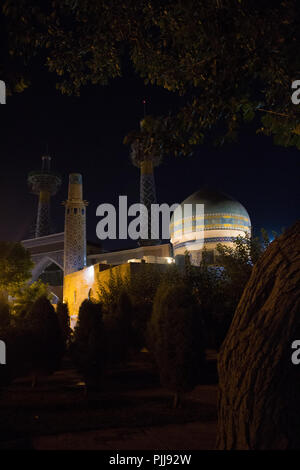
75,226
147,182
44,183
148,194
146,162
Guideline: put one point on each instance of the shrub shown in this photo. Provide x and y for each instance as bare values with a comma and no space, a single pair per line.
26,296
141,288
175,333
88,347
5,316
63,316
118,330
16,343
45,348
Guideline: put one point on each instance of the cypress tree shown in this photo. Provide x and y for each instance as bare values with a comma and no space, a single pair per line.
118,330
176,339
45,344
88,347
63,316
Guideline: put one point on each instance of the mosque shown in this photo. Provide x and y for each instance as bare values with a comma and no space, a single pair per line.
74,267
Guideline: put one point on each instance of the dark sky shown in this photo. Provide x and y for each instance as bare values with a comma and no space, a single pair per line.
85,135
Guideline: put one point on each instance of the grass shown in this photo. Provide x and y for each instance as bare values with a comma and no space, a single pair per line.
131,397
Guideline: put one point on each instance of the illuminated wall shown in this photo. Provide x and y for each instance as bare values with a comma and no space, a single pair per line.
83,284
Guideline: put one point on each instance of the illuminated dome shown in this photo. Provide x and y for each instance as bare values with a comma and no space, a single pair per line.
194,226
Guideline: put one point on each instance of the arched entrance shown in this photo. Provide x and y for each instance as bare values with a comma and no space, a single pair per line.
49,271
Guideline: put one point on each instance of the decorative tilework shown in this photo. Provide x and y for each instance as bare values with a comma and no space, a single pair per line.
206,240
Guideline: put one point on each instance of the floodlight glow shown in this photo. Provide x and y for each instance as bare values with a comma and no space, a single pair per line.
89,274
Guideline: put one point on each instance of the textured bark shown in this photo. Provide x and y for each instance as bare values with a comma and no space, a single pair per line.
177,400
259,387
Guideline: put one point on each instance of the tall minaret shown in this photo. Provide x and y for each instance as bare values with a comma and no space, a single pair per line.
44,183
148,194
75,226
146,162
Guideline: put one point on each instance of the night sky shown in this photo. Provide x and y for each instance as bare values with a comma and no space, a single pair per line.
85,135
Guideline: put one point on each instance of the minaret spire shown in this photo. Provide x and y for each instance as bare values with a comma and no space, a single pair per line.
75,226
44,183
142,156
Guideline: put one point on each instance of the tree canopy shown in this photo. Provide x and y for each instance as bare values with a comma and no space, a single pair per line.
231,61
15,266
27,295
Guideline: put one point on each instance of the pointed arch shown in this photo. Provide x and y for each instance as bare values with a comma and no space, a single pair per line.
42,264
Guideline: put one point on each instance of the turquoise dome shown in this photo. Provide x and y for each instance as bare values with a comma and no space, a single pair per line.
224,218
216,202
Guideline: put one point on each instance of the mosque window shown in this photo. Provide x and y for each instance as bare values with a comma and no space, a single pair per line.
68,211
75,210
82,211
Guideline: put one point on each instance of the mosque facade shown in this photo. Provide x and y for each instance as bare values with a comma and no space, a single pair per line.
73,268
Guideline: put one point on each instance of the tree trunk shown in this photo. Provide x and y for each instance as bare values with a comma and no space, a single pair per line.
259,387
34,380
177,400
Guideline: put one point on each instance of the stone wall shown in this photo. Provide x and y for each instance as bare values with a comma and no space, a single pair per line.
84,284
